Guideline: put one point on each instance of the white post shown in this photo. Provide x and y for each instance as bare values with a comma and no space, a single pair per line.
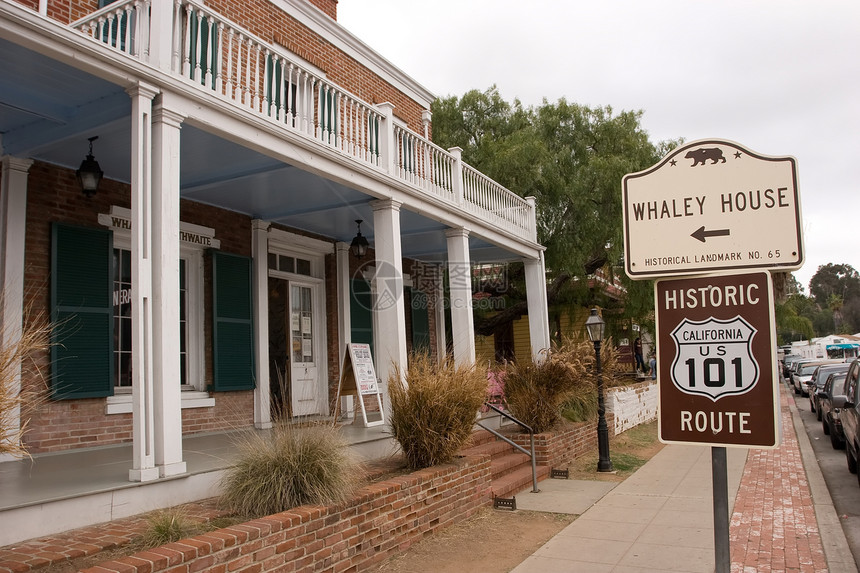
143,454
344,323
161,39
457,175
387,145
388,307
460,288
537,305
166,127
260,261
13,230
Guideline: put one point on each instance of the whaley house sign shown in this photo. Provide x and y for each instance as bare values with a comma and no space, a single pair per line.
713,206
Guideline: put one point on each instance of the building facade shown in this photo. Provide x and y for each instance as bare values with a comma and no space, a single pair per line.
208,282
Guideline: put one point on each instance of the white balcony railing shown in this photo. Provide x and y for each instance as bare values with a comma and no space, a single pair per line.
216,55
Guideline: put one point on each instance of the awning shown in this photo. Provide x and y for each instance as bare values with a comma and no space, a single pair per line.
835,346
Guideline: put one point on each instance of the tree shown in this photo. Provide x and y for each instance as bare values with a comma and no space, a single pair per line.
571,158
834,279
793,320
836,290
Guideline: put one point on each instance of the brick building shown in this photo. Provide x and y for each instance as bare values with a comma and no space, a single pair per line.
209,275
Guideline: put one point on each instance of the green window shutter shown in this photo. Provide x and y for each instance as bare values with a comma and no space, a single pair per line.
420,321
81,309
360,312
233,327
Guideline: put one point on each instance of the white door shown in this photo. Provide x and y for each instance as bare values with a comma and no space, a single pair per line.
305,391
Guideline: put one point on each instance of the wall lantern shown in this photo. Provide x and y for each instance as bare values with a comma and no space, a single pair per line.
359,244
89,174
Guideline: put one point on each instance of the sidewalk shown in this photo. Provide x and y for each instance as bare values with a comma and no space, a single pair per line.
661,518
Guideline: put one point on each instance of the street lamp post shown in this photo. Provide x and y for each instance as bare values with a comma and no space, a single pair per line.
595,327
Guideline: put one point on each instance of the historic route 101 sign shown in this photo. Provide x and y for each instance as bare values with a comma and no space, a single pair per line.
712,205
716,360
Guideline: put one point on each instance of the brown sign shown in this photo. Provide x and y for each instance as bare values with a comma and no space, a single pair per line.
716,360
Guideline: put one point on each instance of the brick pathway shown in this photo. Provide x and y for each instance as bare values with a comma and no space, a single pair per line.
773,527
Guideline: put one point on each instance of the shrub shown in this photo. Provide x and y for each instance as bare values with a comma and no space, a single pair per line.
563,385
287,467
536,390
20,345
433,408
166,526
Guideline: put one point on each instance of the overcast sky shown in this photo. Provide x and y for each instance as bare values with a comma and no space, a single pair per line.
780,77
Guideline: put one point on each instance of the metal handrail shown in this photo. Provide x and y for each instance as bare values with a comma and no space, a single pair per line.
527,428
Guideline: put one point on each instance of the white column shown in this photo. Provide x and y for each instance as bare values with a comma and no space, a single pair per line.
143,437
537,305
344,323
441,339
260,258
388,307
166,127
460,288
13,228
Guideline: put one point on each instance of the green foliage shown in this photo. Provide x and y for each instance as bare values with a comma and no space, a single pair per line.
433,408
571,158
287,467
831,279
791,324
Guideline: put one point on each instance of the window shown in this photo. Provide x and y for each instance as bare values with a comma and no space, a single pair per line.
122,319
290,264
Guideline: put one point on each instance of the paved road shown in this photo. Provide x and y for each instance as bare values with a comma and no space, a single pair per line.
842,484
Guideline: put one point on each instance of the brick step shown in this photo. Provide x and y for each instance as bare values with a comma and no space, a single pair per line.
492,449
479,437
517,480
501,465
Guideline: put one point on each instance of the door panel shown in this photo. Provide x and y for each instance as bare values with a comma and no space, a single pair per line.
304,368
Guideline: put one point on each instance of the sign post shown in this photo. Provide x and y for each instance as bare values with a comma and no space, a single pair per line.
713,206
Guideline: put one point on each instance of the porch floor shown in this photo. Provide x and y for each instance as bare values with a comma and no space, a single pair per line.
60,491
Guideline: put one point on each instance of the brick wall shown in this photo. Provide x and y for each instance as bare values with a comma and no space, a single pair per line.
632,405
54,195
380,520
559,448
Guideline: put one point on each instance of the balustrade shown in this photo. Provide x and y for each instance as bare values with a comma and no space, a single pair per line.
220,56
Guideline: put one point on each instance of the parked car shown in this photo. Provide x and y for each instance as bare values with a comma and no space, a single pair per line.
850,416
787,364
816,383
831,401
803,372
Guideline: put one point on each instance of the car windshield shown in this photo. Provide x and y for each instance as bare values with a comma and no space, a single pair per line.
808,369
838,385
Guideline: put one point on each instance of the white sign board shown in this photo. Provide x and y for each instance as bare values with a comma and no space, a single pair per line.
712,205
358,376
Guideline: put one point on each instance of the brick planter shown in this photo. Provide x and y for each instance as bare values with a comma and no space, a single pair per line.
560,447
380,520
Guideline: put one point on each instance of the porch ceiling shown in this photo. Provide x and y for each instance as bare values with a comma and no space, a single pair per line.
49,109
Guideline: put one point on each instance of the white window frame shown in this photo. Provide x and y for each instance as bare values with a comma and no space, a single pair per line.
194,394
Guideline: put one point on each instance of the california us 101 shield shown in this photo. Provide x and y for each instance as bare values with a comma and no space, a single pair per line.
714,357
